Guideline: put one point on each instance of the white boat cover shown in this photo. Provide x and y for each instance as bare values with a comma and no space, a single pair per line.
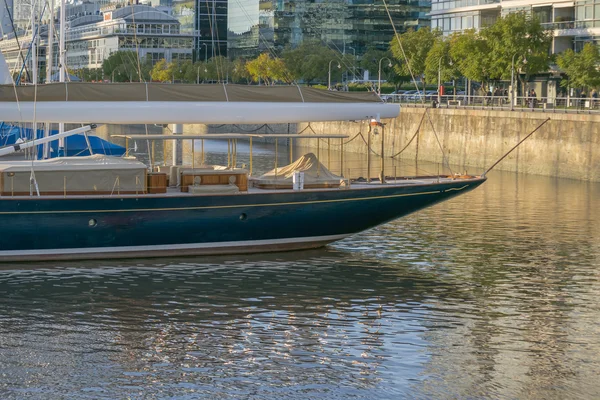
315,175
159,103
82,175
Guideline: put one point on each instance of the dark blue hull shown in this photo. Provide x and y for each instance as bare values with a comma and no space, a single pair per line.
161,225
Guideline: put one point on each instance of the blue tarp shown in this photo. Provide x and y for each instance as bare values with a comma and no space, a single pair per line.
75,145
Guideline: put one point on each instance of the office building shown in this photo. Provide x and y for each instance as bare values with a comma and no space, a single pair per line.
255,26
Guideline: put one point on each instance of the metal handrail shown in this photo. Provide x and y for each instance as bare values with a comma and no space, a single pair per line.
521,103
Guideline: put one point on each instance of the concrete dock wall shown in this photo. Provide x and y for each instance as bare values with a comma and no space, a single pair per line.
567,146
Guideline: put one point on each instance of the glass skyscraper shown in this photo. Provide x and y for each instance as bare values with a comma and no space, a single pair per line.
246,28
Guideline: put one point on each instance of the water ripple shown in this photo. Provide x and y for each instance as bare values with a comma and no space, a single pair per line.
493,295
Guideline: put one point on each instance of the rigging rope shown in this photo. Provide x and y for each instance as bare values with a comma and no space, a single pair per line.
439,144
402,50
414,136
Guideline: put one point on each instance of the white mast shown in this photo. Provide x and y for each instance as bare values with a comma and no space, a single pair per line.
61,72
50,48
34,58
49,64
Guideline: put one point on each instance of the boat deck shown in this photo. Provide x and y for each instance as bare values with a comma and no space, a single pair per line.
173,191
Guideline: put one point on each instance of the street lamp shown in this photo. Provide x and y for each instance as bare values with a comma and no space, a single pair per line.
198,77
439,96
512,81
329,74
379,75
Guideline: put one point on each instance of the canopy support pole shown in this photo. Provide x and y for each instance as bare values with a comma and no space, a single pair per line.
202,150
177,145
276,151
318,157
342,157
153,160
291,142
369,155
329,154
382,175
193,154
250,155
228,153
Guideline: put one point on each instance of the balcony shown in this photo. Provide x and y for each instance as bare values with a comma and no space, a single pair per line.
559,25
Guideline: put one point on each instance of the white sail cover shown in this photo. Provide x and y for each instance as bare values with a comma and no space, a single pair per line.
315,175
5,77
82,175
158,103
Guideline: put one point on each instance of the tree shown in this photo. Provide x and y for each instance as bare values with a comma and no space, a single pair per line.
581,68
121,66
161,72
470,53
416,45
239,72
521,36
373,58
439,62
266,69
310,62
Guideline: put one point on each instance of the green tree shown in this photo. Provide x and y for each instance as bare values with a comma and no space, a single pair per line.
416,45
581,68
521,36
440,63
373,58
470,52
121,66
239,73
310,62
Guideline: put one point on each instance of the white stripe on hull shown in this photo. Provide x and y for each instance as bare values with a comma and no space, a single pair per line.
189,112
168,250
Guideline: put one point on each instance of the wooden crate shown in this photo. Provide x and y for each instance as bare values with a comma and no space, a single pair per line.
157,182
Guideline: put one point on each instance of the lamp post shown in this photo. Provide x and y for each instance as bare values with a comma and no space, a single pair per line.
439,96
379,75
353,62
329,74
512,83
512,80
198,77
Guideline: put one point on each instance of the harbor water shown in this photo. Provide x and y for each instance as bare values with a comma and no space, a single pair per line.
492,295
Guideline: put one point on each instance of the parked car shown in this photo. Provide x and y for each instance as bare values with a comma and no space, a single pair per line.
394,96
407,95
431,95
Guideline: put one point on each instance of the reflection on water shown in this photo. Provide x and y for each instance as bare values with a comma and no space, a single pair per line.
494,294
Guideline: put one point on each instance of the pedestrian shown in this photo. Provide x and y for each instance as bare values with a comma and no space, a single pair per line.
534,96
594,96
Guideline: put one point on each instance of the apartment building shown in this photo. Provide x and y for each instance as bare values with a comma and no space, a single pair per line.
573,23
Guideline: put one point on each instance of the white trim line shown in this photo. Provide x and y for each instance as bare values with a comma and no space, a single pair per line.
166,247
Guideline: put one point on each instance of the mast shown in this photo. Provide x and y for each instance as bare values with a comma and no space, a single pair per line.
61,71
34,60
49,64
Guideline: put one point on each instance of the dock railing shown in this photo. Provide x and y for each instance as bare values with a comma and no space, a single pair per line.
558,104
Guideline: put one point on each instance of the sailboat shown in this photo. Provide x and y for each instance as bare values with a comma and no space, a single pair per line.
102,206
